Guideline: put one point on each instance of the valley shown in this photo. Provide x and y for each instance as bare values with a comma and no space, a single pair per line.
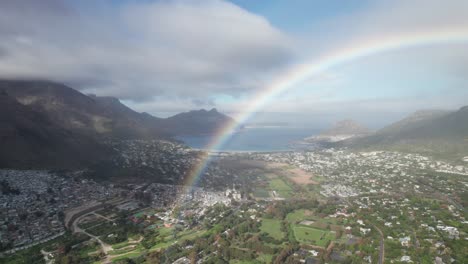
329,206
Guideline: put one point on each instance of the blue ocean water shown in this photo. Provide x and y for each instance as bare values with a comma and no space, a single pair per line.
262,139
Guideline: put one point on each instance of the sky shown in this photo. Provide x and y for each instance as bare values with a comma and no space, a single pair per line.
165,57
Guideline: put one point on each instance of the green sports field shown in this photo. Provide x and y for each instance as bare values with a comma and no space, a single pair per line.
309,235
272,227
283,189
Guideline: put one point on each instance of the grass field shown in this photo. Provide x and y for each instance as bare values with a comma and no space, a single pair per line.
165,231
185,235
95,222
123,251
299,215
283,189
120,245
129,255
314,236
261,193
265,258
86,250
236,261
272,227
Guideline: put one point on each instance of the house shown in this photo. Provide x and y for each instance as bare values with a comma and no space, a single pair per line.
405,241
314,253
348,229
364,231
406,259
452,231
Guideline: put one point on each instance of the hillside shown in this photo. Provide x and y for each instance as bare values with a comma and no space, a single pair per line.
340,131
346,127
106,116
197,122
29,139
413,121
430,132
50,125
70,109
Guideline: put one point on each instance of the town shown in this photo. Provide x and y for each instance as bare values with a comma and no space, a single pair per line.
323,206
33,204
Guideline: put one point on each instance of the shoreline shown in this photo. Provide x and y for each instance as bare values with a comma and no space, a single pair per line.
210,151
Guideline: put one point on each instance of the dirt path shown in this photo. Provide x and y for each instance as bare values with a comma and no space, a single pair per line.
103,217
382,246
104,246
131,241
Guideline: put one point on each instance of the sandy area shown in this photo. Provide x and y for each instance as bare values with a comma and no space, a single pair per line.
296,175
301,176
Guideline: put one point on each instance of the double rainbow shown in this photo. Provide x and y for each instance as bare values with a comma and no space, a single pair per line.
298,74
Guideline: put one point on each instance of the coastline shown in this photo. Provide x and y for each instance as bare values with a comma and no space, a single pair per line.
253,140
217,152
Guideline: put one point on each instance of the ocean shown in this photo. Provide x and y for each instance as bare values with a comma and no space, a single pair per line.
260,139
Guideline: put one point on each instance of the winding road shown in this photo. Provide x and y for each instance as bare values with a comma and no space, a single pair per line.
104,246
382,245
382,242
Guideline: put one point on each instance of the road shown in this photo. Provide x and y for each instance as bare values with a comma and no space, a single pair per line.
416,240
104,246
382,243
382,246
103,217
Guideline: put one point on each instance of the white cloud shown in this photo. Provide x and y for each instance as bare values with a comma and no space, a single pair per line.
171,56
446,63
375,113
169,48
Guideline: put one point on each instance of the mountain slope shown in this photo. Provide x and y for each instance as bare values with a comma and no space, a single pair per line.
342,130
30,139
413,121
197,122
428,132
107,117
72,110
49,125
128,123
346,127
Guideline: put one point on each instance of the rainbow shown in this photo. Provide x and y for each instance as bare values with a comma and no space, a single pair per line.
298,74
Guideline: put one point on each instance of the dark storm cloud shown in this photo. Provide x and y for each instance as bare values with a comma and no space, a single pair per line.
181,48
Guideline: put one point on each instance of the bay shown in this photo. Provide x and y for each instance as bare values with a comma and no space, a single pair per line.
259,139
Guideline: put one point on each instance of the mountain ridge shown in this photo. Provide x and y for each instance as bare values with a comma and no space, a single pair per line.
106,116
346,127
30,140
437,132
185,123
51,125
341,130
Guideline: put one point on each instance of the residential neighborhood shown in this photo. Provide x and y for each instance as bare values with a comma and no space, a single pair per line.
336,205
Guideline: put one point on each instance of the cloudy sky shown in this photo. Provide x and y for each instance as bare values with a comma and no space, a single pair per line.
164,57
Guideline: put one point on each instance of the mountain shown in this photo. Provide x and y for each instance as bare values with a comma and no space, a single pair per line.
29,139
342,130
431,132
346,127
413,121
50,125
106,117
99,117
198,122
